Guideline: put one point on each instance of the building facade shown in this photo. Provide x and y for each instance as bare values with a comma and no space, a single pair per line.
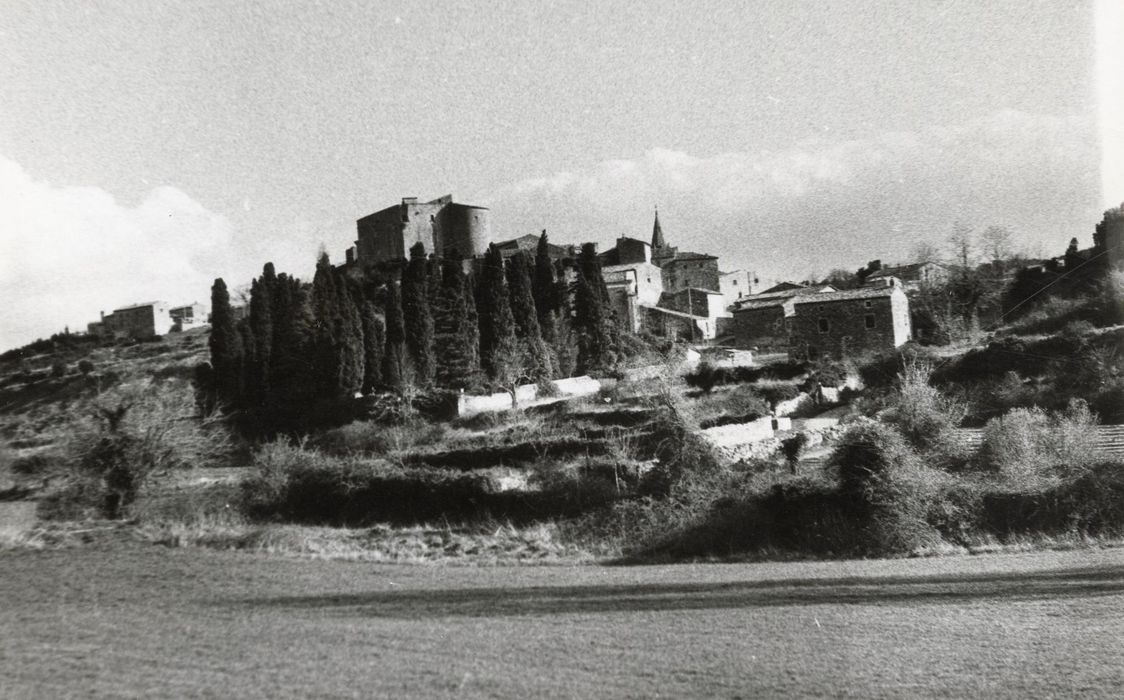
145,320
442,226
849,322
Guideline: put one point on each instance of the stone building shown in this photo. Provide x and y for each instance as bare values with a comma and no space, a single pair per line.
683,269
145,320
190,315
913,276
841,324
442,226
759,321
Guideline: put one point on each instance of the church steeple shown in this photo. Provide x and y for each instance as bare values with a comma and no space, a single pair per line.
658,243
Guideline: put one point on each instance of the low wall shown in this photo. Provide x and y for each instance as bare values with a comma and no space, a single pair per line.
527,395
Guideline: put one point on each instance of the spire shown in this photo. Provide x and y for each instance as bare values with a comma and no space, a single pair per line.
658,242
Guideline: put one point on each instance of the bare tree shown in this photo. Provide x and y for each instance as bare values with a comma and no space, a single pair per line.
925,252
997,243
962,245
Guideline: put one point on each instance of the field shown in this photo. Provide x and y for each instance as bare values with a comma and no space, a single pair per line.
129,620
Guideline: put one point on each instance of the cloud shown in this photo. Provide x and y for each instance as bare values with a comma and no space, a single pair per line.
70,252
824,204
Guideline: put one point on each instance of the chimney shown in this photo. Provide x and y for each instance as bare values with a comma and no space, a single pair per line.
349,255
103,317
409,200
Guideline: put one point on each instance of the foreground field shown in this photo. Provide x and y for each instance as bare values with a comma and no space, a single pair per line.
143,621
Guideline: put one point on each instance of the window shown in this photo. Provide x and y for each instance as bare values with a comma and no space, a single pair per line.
870,320
868,303
825,326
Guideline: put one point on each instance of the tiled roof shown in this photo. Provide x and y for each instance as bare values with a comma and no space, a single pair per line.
137,306
693,256
846,294
765,299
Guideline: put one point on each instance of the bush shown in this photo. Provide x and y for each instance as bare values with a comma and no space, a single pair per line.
85,366
1032,448
919,410
370,438
892,492
58,369
134,430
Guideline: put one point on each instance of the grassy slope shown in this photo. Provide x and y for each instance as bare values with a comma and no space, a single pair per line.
126,620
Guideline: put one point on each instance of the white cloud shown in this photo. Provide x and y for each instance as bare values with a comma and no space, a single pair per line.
69,252
826,204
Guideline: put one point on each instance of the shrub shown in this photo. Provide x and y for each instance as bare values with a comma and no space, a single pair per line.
371,438
134,430
775,393
58,369
1032,447
891,491
919,410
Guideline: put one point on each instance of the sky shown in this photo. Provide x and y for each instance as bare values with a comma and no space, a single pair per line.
147,148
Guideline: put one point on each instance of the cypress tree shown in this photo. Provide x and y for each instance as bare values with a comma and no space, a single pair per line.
292,380
417,315
594,325
397,372
523,311
337,343
544,291
225,345
261,326
455,335
374,342
498,347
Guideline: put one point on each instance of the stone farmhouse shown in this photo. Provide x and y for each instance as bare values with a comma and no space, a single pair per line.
191,315
808,322
913,276
144,320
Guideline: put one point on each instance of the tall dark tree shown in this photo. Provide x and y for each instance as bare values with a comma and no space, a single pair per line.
417,315
537,362
594,324
291,380
261,327
226,346
544,290
498,346
374,343
397,368
455,333
337,336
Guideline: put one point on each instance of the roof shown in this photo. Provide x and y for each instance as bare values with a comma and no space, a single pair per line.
657,233
846,295
688,255
672,312
902,270
784,287
697,289
766,299
141,305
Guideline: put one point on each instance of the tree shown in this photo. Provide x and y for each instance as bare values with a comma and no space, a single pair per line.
397,368
1108,237
374,342
841,279
498,346
261,327
417,316
998,245
925,252
455,337
290,384
337,338
225,346
537,355
544,290
594,325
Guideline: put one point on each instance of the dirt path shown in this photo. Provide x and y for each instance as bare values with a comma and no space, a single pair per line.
145,621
